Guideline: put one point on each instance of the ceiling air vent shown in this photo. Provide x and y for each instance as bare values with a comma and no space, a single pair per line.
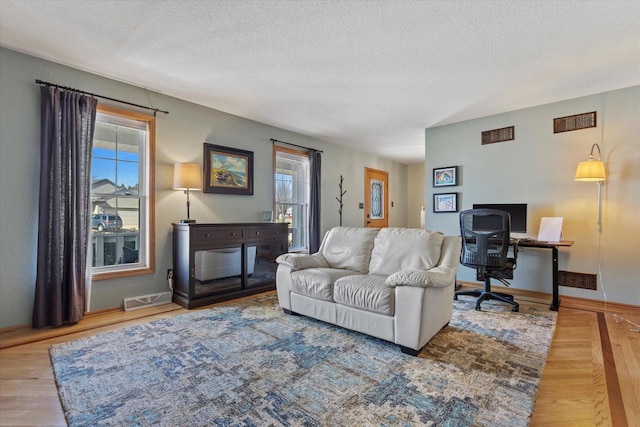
575,122
498,135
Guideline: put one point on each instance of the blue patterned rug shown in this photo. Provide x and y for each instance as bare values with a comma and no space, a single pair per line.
248,364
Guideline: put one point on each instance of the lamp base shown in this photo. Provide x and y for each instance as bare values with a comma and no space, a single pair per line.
188,221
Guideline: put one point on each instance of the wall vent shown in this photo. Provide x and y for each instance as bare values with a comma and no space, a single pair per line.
575,122
498,135
142,301
577,280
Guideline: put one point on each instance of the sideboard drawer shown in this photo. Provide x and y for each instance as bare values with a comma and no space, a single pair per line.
203,235
265,232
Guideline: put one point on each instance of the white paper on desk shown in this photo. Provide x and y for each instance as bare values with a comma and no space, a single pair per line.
550,229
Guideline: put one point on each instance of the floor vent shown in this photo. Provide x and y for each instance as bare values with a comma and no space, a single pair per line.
142,301
577,280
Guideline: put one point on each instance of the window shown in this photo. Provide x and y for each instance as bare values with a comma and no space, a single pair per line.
292,195
122,194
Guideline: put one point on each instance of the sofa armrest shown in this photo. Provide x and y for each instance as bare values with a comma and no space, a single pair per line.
302,261
437,277
440,276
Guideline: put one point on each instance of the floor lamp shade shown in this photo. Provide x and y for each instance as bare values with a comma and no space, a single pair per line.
187,176
591,169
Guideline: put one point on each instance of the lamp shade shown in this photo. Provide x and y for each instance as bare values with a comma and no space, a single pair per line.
590,170
187,176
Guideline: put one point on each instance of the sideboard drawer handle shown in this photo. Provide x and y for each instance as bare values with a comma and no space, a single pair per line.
206,235
257,233
233,234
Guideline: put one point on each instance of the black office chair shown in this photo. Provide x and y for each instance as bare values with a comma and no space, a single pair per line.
485,246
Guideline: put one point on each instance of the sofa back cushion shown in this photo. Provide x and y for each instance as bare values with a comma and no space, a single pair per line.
349,247
397,249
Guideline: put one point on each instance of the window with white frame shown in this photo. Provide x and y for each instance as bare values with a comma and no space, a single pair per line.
122,194
292,195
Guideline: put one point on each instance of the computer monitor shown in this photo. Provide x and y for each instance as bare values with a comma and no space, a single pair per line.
518,212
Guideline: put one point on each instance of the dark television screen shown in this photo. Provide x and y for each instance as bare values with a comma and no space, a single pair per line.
518,212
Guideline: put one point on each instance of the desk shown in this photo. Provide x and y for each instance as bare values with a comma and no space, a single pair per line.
555,301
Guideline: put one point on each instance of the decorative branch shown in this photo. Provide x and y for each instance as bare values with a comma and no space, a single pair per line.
342,193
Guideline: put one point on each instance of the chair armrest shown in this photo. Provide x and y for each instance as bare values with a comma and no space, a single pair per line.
437,277
302,261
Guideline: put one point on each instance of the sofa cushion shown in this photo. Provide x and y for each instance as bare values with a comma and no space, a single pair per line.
349,247
367,292
317,282
397,249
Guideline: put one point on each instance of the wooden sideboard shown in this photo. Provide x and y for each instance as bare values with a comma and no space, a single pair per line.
218,262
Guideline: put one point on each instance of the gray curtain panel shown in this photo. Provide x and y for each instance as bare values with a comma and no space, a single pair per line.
315,166
66,140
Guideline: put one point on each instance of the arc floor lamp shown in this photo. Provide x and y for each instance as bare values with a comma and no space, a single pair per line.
593,170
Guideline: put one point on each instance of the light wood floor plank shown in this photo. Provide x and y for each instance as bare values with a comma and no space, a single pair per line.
601,409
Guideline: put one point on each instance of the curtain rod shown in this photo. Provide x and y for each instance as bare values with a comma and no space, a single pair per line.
295,145
155,110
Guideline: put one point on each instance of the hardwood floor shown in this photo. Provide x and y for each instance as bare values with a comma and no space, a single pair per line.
592,374
591,378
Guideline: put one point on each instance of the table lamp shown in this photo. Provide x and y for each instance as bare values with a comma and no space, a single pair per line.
187,176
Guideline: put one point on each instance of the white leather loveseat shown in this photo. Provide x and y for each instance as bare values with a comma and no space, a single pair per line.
396,284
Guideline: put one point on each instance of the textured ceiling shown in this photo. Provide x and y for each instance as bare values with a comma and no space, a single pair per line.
371,75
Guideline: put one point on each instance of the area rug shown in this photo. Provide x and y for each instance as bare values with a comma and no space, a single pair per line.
249,364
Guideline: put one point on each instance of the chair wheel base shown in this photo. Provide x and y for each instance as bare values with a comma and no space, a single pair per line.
488,295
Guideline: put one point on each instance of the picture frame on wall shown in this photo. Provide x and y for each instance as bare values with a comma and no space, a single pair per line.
445,202
227,170
444,177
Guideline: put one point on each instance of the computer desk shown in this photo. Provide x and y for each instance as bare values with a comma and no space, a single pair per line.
555,301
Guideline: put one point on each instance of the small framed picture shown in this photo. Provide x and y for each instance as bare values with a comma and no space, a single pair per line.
227,170
443,177
445,202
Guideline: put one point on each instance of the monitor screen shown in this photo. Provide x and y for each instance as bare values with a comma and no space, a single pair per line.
518,212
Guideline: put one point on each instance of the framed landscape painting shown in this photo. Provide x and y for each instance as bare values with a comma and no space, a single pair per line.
443,177
445,202
227,170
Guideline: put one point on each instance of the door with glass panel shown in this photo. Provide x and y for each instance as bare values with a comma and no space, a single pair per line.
376,194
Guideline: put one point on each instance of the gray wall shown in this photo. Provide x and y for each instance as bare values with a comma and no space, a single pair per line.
415,190
537,168
180,136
